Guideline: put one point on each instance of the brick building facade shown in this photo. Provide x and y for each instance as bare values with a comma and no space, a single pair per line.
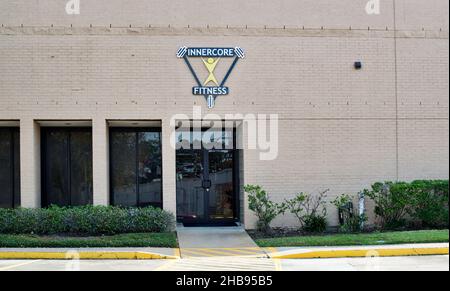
114,65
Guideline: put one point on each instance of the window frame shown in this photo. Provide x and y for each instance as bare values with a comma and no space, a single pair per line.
69,130
15,201
135,130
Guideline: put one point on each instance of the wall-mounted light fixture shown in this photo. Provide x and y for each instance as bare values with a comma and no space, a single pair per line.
358,65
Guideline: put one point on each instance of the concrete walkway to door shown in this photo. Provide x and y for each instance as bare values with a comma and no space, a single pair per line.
217,242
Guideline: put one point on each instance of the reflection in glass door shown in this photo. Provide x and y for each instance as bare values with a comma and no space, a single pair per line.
190,192
221,193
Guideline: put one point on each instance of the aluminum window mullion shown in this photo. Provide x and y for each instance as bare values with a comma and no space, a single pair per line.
69,170
138,198
12,168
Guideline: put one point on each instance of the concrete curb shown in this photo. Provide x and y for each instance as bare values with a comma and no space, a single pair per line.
273,253
84,255
356,253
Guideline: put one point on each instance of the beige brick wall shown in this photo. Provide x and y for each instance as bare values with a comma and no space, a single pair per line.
100,154
420,14
343,155
198,13
129,77
30,163
410,14
423,149
340,128
423,78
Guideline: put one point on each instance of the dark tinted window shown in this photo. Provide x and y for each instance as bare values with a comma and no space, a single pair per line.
123,168
16,140
81,168
67,167
9,168
136,167
149,168
56,168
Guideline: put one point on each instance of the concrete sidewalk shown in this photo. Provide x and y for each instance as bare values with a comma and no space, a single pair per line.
417,263
214,237
217,242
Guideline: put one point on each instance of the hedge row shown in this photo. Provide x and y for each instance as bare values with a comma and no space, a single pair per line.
422,203
85,220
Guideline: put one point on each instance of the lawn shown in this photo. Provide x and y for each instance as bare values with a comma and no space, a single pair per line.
377,238
167,240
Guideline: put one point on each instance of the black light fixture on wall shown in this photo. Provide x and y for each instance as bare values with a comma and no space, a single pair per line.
358,65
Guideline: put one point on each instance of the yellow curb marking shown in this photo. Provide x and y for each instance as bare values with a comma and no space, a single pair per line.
431,251
84,256
204,253
229,252
248,252
253,249
18,265
363,253
272,252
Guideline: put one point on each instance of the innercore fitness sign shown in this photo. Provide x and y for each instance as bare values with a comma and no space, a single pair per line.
211,88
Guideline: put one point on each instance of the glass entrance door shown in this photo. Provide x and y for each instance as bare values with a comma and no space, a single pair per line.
190,191
221,193
207,179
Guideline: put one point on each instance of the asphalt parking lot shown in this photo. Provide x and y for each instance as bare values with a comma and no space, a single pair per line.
426,263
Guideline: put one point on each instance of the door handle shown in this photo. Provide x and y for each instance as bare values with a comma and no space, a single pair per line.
206,184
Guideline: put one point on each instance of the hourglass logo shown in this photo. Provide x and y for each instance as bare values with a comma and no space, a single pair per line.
211,88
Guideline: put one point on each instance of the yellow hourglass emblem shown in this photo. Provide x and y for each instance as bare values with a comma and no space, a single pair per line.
210,65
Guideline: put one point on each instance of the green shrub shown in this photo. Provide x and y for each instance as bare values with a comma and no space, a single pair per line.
315,223
51,220
310,211
350,219
392,203
430,203
85,220
265,209
423,202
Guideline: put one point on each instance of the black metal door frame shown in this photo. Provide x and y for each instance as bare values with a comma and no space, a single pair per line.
44,161
206,220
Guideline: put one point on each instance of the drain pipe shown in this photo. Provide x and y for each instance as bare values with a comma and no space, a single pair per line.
362,209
